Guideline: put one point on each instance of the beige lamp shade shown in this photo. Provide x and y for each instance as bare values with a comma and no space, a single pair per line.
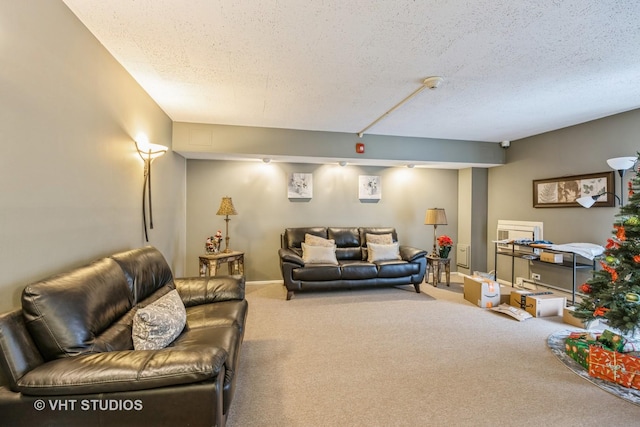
226,207
435,216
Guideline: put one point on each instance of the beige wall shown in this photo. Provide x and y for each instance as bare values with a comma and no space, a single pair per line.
70,179
575,150
259,193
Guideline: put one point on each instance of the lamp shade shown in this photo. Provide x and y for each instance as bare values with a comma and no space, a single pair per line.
587,201
621,163
226,207
435,216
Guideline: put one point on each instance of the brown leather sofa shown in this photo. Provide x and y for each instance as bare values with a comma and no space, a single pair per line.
68,357
352,269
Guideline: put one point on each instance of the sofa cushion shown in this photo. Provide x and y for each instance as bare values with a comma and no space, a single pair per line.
387,269
146,271
312,240
65,313
317,273
293,237
377,230
377,252
159,323
319,254
381,239
355,270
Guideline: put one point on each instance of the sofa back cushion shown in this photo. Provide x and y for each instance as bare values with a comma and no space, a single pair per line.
376,231
65,313
293,237
347,242
146,271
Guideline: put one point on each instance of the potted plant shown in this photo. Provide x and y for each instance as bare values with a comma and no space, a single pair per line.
444,244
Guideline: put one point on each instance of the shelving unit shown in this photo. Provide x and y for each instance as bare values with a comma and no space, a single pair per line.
574,264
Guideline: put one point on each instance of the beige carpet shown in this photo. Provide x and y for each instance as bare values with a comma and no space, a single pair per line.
392,357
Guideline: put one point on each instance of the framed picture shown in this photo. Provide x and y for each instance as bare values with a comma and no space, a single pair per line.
563,191
369,187
300,186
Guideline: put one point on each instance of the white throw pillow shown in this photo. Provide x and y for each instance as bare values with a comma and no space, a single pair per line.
380,239
313,240
159,323
319,254
378,252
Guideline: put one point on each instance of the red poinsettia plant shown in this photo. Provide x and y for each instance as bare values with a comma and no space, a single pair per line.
445,241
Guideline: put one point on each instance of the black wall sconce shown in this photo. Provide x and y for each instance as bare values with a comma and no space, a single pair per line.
148,152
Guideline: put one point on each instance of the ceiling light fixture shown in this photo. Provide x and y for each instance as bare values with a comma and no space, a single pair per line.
428,83
342,163
266,160
411,166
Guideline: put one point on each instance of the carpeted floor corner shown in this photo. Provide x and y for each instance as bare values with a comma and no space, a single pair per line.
394,357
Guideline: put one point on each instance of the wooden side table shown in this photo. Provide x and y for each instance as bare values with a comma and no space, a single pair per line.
210,263
434,265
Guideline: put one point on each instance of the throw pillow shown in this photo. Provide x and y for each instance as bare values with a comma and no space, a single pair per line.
159,323
383,252
313,240
380,239
319,254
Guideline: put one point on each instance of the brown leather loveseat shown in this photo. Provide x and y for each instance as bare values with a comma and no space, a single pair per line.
68,355
356,260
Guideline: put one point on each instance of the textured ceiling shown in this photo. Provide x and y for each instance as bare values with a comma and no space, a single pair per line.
511,68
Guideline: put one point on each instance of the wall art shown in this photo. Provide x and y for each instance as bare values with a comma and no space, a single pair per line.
563,191
300,186
369,187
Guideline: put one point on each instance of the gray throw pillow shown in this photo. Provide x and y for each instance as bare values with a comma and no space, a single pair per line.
159,323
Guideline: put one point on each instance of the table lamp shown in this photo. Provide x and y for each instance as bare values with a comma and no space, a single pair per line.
435,217
226,209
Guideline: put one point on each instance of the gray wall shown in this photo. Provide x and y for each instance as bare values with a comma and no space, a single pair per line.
70,179
259,193
575,150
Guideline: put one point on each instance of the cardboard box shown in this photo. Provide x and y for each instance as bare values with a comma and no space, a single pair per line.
569,318
482,292
517,298
551,257
545,305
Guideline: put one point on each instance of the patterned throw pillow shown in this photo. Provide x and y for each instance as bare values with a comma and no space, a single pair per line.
380,239
313,240
319,254
383,252
159,323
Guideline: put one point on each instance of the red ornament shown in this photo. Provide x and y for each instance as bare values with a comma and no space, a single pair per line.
586,288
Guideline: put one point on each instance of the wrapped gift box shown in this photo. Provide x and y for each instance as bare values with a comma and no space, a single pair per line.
612,340
621,368
577,347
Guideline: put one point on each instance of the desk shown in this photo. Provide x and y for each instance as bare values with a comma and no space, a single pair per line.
210,263
434,265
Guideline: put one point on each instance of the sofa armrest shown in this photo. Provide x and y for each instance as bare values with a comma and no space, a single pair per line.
117,371
287,255
409,253
205,290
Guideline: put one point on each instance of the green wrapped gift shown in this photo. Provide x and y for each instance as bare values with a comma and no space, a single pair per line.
577,347
611,340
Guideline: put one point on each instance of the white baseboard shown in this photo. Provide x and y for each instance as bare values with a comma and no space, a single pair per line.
264,282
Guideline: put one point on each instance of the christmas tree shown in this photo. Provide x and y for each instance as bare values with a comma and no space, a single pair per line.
613,293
